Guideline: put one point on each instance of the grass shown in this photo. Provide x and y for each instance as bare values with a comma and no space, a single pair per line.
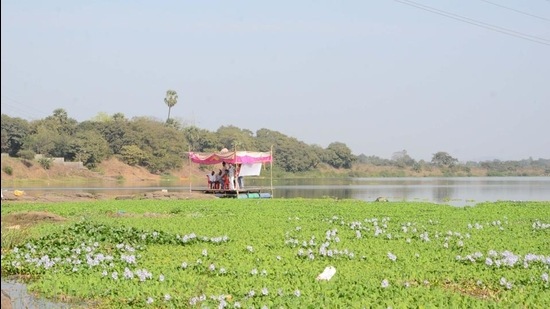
13,237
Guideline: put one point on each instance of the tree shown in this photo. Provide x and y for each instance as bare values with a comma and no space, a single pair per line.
402,159
170,100
102,117
232,137
164,146
41,141
119,117
14,132
132,155
201,139
60,122
89,147
292,155
442,158
340,155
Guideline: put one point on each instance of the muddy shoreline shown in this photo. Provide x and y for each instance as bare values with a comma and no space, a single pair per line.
16,296
53,197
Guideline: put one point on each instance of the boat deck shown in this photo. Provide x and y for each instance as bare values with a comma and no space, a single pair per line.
243,193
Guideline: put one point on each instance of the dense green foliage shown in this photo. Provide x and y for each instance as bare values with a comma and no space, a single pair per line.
158,146
162,146
268,253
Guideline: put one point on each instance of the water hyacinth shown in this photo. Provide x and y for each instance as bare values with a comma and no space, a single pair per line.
392,257
128,274
506,283
143,274
506,259
538,225
130,259
284,259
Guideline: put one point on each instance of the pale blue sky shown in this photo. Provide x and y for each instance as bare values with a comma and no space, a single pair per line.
380,76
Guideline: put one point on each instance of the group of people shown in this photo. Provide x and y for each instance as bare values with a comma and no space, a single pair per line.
227,178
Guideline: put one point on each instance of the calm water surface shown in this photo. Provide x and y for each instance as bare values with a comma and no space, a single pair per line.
458,191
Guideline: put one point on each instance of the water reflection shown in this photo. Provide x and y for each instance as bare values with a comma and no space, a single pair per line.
457,191
454,191
442,193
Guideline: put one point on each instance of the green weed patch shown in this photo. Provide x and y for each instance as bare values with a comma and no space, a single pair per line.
269,253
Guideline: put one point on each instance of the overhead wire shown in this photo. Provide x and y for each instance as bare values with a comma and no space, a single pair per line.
517,11
23,109
474,22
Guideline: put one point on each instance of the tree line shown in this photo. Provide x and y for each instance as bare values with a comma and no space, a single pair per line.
161,146
156,145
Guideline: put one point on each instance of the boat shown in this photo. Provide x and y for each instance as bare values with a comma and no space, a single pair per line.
251,163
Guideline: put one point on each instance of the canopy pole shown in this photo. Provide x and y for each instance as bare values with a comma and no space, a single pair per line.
235,178
189,159
271,170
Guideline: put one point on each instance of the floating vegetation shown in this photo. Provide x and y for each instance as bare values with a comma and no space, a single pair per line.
269,253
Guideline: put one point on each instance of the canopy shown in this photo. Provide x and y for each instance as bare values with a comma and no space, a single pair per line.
235,157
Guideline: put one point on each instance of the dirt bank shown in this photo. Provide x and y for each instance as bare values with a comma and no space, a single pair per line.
52,197
16,170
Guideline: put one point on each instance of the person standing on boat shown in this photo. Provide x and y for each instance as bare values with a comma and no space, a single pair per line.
219,180
212,180
231,174
240,180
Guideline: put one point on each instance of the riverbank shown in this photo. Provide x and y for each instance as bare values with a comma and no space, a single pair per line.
54,197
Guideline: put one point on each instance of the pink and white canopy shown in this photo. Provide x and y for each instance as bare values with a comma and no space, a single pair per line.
235,157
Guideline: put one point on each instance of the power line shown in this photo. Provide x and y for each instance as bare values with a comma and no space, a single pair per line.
477,23
517,11
21,108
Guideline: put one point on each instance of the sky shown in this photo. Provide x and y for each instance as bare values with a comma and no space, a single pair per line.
470,78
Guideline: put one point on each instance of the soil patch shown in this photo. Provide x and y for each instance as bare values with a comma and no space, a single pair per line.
20,219
10,196
53,197
110,170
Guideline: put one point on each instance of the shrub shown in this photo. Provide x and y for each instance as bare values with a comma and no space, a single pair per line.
46,163
27,154
8,170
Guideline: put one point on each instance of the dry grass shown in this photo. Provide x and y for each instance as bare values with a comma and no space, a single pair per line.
15,226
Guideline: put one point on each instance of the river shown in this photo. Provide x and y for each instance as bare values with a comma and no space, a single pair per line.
456,191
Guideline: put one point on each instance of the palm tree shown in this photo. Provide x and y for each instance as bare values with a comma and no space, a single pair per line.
170,100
